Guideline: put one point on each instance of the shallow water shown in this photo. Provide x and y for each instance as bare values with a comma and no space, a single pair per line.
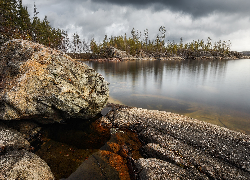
213,91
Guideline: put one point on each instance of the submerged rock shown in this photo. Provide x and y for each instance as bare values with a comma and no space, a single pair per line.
113,160
42,83
177,146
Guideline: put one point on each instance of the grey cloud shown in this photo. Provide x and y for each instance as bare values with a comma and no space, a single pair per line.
189,19
196,8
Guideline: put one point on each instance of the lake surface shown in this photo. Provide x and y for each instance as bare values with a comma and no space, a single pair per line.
213,91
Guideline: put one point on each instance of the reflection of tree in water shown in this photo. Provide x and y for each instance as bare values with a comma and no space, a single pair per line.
159,69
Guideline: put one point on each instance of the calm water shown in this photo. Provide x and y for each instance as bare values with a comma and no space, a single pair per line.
214,91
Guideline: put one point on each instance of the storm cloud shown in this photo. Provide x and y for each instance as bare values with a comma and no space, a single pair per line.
196,8
189,19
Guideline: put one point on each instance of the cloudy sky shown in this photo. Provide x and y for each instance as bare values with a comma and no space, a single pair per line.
189,19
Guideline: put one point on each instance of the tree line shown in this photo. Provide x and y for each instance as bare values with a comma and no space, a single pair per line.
139,42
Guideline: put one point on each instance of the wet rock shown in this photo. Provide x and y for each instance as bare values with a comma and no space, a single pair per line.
125,143
63,159
66,145
177,146
47,85
101,165
23,165
115,160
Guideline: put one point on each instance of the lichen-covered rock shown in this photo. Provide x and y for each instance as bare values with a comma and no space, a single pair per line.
42,83
23,165
11,140
179,147
16,162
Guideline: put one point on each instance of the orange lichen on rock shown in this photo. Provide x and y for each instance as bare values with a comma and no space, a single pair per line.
114,147
129,144
117,162
99,128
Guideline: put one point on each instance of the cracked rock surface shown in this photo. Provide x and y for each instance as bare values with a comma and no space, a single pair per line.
41,83
179,147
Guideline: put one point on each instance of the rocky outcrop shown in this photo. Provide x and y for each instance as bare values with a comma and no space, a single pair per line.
120,54
176,146
16,162
44,84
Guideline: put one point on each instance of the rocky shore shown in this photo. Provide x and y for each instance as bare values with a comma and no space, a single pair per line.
55,123
116,55
175,146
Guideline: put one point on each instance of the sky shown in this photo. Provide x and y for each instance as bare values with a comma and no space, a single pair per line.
187,19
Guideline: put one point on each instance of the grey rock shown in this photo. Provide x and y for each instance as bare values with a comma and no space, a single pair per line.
181,144
15,161
24,165
47,85
153,168
11,140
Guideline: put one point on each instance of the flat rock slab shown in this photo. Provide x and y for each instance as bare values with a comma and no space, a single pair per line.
179,147
41,83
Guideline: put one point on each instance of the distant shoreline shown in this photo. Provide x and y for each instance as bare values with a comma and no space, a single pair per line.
174,58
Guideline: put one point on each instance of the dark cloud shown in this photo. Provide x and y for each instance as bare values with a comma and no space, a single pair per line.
196,8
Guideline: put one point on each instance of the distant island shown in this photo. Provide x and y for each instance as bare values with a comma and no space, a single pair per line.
138,46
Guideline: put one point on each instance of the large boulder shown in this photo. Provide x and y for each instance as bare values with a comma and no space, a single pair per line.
42,83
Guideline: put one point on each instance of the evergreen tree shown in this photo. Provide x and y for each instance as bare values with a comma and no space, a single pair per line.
16,23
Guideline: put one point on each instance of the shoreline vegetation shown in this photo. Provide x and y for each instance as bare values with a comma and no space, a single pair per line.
139,47
17,24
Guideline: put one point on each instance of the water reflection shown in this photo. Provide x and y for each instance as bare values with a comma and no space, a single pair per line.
214,91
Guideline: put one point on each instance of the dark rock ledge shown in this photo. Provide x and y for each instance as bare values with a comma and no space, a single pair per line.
184,147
